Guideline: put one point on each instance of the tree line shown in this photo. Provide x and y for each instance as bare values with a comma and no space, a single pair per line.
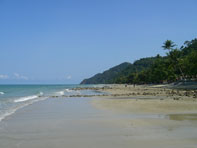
178,64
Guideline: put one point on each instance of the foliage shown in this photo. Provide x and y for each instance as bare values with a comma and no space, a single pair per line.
177,64
168,45
107,76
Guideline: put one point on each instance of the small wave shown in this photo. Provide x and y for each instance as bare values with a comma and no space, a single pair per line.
7,114
2,93
13,110
61,93
26,98
68,90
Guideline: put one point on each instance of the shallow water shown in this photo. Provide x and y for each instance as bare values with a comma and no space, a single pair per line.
74,122
14,97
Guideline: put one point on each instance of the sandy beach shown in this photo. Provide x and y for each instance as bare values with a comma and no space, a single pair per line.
112,121
98,74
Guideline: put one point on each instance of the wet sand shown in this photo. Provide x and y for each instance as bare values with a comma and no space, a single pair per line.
138,105
86,122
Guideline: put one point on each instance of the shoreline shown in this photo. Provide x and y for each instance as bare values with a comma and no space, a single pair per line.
13,111
141,93
77,122
113,121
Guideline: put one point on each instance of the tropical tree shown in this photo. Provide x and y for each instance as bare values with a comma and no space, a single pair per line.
168,45
174,55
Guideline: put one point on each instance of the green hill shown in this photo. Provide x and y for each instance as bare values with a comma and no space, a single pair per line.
178,64
108,76
113,74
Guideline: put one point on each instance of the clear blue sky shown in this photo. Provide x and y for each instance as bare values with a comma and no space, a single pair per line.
64,41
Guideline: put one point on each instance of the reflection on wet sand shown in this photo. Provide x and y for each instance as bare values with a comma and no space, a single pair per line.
181,117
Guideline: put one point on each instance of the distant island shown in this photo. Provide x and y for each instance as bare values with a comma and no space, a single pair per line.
178,64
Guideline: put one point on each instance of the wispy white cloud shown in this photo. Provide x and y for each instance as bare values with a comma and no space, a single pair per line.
19,76
4,76
69,77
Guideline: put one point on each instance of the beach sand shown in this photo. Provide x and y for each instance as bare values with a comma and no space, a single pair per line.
96,123
138,105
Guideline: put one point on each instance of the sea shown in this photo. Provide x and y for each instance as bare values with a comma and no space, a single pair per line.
14,97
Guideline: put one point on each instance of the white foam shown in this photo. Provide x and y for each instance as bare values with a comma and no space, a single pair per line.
26,98
7,114
68,90
13,110
61,93
2,93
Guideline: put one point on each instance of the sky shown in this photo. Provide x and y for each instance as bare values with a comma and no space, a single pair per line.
65,41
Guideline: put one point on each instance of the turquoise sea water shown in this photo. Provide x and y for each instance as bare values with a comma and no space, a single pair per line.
13,97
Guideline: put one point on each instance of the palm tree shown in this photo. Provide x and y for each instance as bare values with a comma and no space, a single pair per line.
168,44
174,54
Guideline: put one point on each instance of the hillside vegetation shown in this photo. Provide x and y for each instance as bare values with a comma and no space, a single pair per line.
178,64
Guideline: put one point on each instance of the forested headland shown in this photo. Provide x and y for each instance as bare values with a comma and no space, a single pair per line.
178,64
